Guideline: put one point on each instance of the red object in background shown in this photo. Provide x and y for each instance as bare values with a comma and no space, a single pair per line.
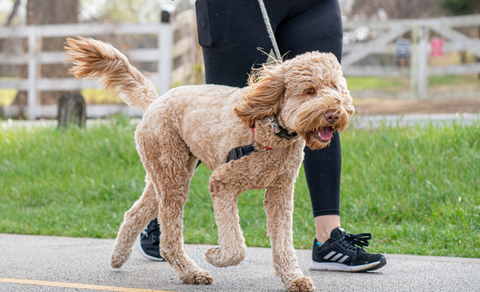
436,45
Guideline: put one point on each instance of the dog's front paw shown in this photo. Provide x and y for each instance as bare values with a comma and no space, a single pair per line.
221,258
197,278
119,258
300,285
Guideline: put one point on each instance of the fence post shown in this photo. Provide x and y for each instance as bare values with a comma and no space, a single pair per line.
414,60
32,73
423,51
193,52
165,39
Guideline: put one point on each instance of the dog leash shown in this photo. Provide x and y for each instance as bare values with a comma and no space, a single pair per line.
240,152
270,30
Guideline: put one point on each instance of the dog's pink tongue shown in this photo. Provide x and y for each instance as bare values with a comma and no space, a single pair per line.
325,133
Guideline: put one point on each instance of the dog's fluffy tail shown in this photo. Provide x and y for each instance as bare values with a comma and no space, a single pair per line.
96,59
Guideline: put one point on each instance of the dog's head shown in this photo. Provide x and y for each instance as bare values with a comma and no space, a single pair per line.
308,94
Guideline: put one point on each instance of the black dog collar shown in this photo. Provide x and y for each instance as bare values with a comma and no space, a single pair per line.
279,130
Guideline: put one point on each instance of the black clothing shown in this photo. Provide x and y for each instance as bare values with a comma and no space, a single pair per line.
230,31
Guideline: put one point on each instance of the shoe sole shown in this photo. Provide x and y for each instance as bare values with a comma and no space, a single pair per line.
152,258
341,267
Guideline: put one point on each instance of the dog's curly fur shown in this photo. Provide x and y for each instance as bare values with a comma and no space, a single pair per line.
307,95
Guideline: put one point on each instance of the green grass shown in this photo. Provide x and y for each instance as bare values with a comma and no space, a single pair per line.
100,96
416,190
376,83
92,96
7,96
456,82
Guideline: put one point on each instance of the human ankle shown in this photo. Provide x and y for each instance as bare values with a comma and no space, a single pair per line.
322,237
324,226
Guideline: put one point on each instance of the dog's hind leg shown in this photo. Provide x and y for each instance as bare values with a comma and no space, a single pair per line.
174,196
135,220
170,167
279,208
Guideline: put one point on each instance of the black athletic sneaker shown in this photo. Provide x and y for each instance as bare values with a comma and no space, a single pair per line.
148,242
344,252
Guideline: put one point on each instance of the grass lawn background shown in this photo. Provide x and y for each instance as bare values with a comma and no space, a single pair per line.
416,189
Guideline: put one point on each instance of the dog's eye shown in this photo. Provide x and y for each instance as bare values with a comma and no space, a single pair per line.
310,91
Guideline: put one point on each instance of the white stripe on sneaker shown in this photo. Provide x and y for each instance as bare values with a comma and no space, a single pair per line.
329,255
337,257
343,259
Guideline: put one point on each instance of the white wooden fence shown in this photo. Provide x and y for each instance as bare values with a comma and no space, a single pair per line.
419,71
165,52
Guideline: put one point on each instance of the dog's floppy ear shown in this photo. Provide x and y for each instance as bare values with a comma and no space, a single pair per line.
265,98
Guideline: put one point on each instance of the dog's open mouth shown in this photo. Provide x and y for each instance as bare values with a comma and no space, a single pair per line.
324,134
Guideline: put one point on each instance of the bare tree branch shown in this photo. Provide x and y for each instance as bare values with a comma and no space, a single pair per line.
13,13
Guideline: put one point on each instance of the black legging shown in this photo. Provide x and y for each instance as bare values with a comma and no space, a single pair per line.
230,31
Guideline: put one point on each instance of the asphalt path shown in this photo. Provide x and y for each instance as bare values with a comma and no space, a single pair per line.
47,263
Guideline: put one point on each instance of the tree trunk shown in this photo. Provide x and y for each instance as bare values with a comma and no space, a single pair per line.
49,12
71,110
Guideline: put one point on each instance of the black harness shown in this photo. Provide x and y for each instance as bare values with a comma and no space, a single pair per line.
240,152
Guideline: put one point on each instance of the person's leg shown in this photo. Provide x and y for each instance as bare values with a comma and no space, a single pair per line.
319,28
322,171
230,49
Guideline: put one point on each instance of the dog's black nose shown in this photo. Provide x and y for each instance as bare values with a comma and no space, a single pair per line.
332,116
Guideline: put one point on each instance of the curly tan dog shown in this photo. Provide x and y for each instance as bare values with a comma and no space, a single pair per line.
306,95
